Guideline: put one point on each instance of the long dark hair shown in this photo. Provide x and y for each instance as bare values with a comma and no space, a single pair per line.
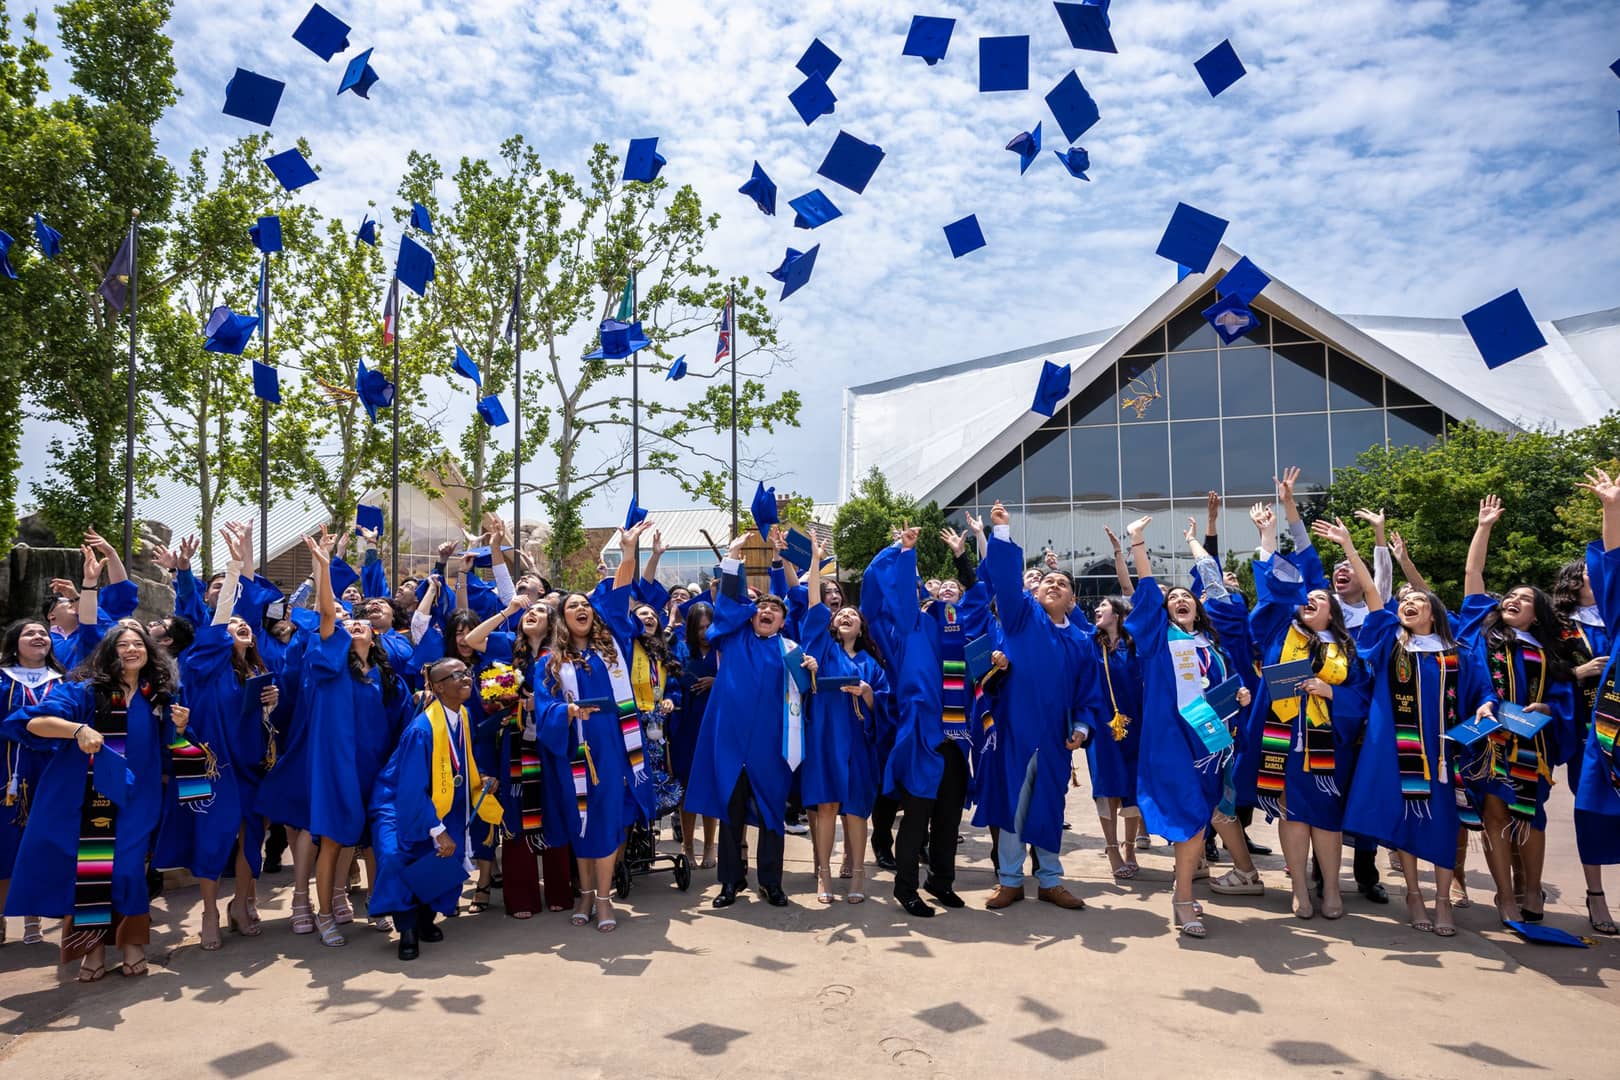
459,623
1335,628
1566,590
249,663
697,641
103,672
1547,628
1437,612
863,637
1122,607
598,638
522,651
1201,623
656,644
376,657
11,641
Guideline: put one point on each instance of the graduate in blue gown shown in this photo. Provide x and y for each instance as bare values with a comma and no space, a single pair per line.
699,665
83,851
29,673
1523,642
1575,597
1112,751
1404,794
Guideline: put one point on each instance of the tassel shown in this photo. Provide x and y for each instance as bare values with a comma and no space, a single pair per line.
22,804
1074,777
270,755
1443,773
212,770
590,763
493,835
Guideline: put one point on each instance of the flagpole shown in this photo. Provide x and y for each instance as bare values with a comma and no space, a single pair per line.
129,394
517,414
393,505
635,402
264,416
736,342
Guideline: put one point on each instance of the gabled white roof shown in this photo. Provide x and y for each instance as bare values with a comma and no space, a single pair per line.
934,432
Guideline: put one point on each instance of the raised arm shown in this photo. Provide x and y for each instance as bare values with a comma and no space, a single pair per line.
1409,569
650,571
320,550
1139,556
109,554
1122,569
628,539
1212,525
1490,512
90,582
1383,571
1607,489
1339,534
1265,522
976,527
236,565
812,575
478,636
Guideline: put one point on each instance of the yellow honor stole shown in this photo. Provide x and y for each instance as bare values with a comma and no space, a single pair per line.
1335,669
444,773
646,679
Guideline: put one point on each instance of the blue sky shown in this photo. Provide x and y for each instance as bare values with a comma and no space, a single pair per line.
1412,158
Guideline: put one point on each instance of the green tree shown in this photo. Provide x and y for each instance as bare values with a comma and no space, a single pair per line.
865,526
794,510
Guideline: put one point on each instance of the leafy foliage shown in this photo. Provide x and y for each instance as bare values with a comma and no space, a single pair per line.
865,526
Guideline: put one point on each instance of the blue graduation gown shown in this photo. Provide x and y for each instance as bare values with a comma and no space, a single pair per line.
352,728
402,813
688,718
1111,761
910,642
20,768
1597,802
47,858
283,796
840,756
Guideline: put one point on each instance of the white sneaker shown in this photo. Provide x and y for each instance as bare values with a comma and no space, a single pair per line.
797,828
1236,883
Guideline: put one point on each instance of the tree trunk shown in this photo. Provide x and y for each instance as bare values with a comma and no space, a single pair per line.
476,508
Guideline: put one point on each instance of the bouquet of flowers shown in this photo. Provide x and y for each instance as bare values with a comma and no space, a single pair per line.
499,686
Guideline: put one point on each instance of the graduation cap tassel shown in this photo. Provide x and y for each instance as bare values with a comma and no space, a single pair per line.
129,418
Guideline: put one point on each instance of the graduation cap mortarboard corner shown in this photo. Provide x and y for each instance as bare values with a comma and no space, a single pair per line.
1191,238
851,162
1615,67
431,877
1026,144
367,232
619,340
266,234
415,265
252,97
635,515
964,235
266,383
813,209
421,219
1076,160
818,59
1003,63
762,190
1086,23
1219,68
812,99
1541,934
465,366
928,38
1051,389
368,517
359,76
794,273
492,412
5,256
227,332
291,169
50,241
322,33
1244,281
764,509
677,370
1072,107
642,161
373,389
1503,330
1231,318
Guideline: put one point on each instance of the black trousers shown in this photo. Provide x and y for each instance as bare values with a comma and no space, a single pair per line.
934,821
883,811
275,842
733,868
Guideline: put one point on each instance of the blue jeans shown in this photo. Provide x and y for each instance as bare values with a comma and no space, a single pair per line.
1010,849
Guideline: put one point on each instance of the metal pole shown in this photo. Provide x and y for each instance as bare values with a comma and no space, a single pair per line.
129,393
517,412
736,345
635,404
393,506
264,421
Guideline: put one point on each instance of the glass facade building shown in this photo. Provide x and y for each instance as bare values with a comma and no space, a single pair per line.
1180,415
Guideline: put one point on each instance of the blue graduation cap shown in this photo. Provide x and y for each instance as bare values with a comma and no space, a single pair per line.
964,235
253,97
812,99
266,234
359,76
677,370
1230,317
813,208
851,162
819,60
643,161
1086,23
374,389
421,219
368,232
5,256
50,241
1026,144
762,190
1072,107
415,265
266,383
368,517
929,37
291,169
1615,67
635,515
431,877
322,33
619,340
1541,934
1244,281
1004,63
466,366
1076,160
111,775
795,270
1191,238
1219,68
764,509
1503,329
227,332
492,412
1052,388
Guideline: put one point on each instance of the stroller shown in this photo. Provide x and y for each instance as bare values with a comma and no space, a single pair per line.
641,854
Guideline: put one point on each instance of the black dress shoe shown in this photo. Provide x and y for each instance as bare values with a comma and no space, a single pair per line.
944,894
885,861
774,895
1376,893
1254,848
426,929
727,897
408,948
915,906
1212,854
271,866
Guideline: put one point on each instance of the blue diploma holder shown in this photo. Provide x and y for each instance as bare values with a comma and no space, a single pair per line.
976,655
112,778
1224,699
252,691
1518,721
797,551
1283,681
834,684
793,661
1468,733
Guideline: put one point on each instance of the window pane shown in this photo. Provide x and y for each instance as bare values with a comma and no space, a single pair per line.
1246,382
1050,528
1098,403
1303,441
1162,537
1004,482
1282,332
1190,330
1246,446
1195,456
1352,384
1400,396
1153,343
1046,466
1095,452
1298,373
1140,379
1259,334
1145,461
1195,386
1415,427
1092,552
1354,432
966,498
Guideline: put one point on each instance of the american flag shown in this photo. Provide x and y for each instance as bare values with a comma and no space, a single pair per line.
722,347
391,312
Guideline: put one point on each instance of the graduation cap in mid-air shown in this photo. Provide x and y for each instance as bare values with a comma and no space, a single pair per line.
642,161
1244,281
819,60
764,509
1219,68
851,162
794,273
291,169
421,219
1004,63
762,190
812,99
928,38
1026,144
1076,160
50,241
619,340
1191,238
1504,330
359,76
812,209
374,389
367,232
1072,107
677,370
266,234
368,517
466,366
964,235
322,33
227,332
635,515
1231,318
1052,388
266,383
1086,23
5,256
414,267
253,97
492,412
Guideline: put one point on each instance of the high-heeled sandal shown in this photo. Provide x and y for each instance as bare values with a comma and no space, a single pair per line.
330,934
382,924
1124,871
824,894
303,916
32,934
1605,926
582,915
857,886
1535,916
248,923
477,906
215,942
342,910
605,926
1193,927
1420,920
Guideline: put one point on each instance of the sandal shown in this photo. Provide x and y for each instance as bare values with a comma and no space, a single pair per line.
824,881
32,935
605,926
581,916
382,924
846,869
88,974
478,907
131,968
1461,901
211,923
1193,927
303,918
1143,841
1123,871
248,924
1420,921
1602,926
342,910
857,887
330,934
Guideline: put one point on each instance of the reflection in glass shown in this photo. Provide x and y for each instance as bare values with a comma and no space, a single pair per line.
1145,461
1354,432
1046,466
1352,384
1303,441
1097,403
1250,465
1049,528
1415,427
1245,382
1190,330
1004,482
1142,389
1095,455
1282,332
1092,552
1152,343
1195,386
1195,455
1399,396
1298,374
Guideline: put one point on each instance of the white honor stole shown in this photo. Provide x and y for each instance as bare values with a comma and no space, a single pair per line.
792,712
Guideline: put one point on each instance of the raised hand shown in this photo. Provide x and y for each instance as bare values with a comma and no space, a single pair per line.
976,524
320,548
1336,531
368,536
1191,533
446,549
1263,516
1049,559
999,515
628,538
92,565
1285,486
1213,500
163,557
1113,540
94,539
1135,529
908,536
777,539
658,542
1397,546
188,549
1375,518
65,589
735,550
953,540
1604,486
1490,511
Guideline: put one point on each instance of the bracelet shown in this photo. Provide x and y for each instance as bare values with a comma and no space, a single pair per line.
75,735
1138,544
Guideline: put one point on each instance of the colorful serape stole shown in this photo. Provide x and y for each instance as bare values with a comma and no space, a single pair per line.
1272,779
630,730
584,772
525,776
194,771
1520,765
1606,726
98,829
954,697
1406,694
1467,813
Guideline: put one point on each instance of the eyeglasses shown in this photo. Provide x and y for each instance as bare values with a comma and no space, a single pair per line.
460,676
